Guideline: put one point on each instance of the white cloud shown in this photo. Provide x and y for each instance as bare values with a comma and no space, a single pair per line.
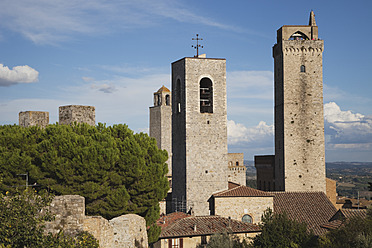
50,22
18,74
345,129
262,134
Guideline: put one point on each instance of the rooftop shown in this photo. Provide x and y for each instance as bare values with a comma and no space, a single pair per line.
204,225
313,208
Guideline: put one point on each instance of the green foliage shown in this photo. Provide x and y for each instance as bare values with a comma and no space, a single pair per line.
117,171
356,233
280,231
225,240
22,217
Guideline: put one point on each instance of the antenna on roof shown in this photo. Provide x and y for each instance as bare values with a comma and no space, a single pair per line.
197,45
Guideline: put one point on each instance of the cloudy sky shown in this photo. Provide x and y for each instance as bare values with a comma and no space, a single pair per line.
115,54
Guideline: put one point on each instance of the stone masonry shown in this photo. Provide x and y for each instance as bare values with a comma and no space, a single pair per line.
236,169
161,123
299,121
123,231
253,206
33,118
199,132
77,113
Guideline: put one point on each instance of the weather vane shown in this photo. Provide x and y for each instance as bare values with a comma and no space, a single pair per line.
197,45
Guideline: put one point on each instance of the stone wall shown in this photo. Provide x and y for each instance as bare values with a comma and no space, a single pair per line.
123,231
299,118
265,168
331,191
199,140
237,207
33,118
77,113
236,171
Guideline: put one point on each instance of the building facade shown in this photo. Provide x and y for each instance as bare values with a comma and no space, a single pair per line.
299,119
199,132
161,123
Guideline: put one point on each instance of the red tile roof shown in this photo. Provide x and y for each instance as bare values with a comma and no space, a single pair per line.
205,225
241,191
232,185
342,215
313,208
166,220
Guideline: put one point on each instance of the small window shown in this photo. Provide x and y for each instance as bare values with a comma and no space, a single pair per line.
237,163
178,99
247,218
167,100
159,100
303,68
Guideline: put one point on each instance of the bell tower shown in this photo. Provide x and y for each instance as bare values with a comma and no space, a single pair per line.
161,123
299,118
199,132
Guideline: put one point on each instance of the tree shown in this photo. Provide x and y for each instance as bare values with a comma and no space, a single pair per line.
356,232
280,231
22,217
118,172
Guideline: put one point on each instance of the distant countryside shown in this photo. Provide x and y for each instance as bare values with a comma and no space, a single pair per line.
351,177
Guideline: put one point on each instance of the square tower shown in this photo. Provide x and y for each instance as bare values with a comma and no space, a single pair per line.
299,119
34,118
199,132
77,113
161,123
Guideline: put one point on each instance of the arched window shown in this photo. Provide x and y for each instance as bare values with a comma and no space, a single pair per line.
159,100
247,218
167,100
298,36
302,68
237,163
206,96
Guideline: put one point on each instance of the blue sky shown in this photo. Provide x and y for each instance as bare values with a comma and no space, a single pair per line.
114,54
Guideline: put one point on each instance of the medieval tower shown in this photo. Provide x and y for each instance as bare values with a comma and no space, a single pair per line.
299,119
161,123
199,132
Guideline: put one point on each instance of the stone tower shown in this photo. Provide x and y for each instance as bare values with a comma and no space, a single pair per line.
199,132
161,123
33,118
299,120
77,113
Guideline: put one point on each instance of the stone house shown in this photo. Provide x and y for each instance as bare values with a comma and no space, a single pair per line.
182,230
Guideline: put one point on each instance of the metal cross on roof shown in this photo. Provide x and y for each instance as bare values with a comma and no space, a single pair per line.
197,45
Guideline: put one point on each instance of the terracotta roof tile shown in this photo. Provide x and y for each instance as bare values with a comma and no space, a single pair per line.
206,225
169,219
241,191
163,89
232,185
313,208
342,215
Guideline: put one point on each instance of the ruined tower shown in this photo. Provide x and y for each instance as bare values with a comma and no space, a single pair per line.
77,113
33,118
299,120
161,123
199,132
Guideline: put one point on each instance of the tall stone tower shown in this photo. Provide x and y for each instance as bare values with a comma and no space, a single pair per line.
199,132
161,123
299,120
